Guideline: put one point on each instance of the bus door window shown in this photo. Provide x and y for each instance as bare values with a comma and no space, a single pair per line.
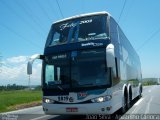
49,76
75,68
52,74
57,74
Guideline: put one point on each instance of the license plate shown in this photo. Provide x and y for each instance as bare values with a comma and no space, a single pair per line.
71,109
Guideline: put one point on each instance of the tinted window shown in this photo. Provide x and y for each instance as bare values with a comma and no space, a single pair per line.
57,71
81,29
89,68
85,68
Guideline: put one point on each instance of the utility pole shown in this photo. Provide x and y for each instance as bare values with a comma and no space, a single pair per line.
29,82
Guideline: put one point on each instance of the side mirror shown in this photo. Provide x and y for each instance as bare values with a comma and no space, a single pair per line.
110,56
30,62
29,68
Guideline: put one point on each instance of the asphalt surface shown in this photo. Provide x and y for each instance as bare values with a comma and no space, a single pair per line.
147,107
149,102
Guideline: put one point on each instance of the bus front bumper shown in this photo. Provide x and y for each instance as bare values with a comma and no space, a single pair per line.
78,109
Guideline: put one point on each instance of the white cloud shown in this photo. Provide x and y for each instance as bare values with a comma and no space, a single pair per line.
14,70
18,59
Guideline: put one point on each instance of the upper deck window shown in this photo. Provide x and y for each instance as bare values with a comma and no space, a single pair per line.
80,29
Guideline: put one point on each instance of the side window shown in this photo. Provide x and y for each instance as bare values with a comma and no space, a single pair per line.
113,31
118,35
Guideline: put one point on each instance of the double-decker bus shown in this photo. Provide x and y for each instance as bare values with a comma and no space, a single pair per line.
89,67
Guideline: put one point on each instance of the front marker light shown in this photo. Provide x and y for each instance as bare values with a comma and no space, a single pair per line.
47,100
108,97
102,99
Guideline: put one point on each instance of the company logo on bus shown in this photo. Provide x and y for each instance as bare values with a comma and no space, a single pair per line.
82,94
91,44
73,24
59,56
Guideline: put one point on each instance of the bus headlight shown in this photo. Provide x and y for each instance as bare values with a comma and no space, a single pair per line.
47,100
102,99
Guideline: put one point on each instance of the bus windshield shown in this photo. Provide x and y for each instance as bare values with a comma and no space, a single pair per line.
86,68
80,29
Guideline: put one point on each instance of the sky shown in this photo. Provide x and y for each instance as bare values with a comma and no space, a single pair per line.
24,26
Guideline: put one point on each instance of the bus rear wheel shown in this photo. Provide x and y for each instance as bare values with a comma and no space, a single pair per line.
124,105
129,102
140,92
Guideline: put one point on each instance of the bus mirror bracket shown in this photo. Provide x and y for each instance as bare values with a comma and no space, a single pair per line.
31,60
110,56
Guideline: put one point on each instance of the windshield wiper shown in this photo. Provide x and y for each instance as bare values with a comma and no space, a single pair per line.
60,88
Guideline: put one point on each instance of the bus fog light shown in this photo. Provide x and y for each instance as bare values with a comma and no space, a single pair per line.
108,108
102,109
47,100
108,97
102,99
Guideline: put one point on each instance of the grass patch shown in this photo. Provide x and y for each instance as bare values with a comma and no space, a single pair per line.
12,100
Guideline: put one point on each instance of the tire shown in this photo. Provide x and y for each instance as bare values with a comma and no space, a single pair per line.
129,102
124,105
140,92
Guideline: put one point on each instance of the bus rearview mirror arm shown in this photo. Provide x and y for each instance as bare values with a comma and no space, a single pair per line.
31,60
110,56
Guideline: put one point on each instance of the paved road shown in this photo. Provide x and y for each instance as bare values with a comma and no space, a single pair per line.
147,107
148,104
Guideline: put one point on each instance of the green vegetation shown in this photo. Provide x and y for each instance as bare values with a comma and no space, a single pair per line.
9,100
150,81
147,83
18,87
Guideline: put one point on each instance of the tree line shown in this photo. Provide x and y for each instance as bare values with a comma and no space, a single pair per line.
18,87
150,81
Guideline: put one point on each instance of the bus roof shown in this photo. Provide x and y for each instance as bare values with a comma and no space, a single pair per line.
83,15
